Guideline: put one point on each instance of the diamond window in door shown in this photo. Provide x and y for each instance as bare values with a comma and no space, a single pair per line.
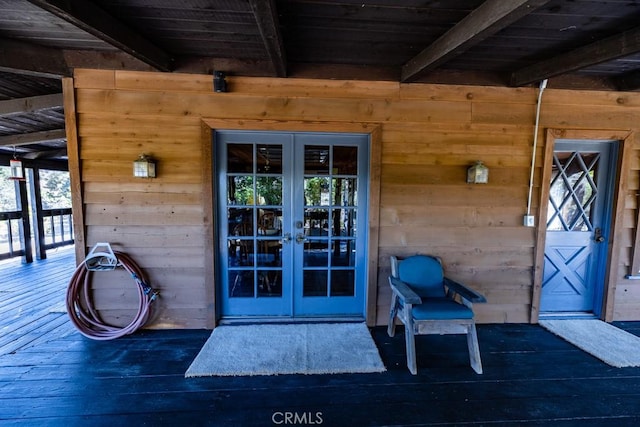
573,191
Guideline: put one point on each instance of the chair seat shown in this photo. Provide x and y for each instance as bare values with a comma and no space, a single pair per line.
440,309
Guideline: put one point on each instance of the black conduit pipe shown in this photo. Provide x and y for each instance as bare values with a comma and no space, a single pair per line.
84,316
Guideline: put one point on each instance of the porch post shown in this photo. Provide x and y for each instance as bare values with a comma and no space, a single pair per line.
36,212
25,228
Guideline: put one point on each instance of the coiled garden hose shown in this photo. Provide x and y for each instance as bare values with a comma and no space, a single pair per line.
84,316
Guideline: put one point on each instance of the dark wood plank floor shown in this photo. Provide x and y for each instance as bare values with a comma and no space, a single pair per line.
531,378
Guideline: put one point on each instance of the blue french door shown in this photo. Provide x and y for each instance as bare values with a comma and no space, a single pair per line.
578,218
292,234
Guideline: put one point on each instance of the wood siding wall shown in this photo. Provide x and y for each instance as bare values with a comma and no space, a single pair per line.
429,135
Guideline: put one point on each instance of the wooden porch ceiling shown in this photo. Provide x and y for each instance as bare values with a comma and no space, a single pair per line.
575,43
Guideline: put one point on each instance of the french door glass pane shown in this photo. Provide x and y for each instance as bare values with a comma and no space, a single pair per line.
317,191
241,283
345,160
269,190
342,283
269,283
269,159
240,190
316,160
344,191
315,283
316,253
239,158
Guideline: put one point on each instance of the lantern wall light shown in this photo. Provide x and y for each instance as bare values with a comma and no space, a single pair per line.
16,171
144,167
478,173
219,82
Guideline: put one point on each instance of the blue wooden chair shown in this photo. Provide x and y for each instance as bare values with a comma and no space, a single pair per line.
426,302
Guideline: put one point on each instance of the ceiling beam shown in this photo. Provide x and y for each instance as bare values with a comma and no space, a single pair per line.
267,19
29,105
489,18
32,60
94,20
607,49
32,138
44,154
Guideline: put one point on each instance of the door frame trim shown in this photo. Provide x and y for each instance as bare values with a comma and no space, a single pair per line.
619,188
374,130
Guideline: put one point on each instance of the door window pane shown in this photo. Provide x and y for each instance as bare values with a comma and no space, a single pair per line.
573,191
342,283
269,283
240,222
315,283
241,284
344,192
269,159
316,160
239,158
269,189
317,191
345,160
344,222
269,222
343,253
316,253
316,222
240,190
269,251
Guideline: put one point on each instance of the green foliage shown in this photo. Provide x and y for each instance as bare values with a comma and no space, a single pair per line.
55,187
7,191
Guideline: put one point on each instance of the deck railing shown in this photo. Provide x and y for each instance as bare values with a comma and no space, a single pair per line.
10,241
58,227
57,231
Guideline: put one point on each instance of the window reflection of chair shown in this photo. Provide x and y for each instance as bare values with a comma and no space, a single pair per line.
269,224
244,229
427,303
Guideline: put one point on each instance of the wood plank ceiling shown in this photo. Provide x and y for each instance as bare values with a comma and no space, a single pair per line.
573,43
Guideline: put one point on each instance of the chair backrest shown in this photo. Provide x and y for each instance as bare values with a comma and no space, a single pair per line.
423,274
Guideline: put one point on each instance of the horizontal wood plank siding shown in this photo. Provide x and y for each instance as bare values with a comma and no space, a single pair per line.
430,135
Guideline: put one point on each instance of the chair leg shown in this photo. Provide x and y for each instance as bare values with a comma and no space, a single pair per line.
391,328
474,349
409,336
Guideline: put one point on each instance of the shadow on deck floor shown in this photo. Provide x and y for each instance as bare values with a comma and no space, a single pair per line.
531,378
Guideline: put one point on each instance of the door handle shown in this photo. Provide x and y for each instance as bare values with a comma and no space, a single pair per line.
287,238
300,238
597,235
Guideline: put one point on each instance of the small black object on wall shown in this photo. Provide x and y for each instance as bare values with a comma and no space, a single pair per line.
219,82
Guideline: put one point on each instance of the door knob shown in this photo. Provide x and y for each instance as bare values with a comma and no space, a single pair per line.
287,238
597,235
300,238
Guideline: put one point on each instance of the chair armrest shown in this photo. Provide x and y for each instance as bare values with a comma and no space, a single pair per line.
465,292
404,292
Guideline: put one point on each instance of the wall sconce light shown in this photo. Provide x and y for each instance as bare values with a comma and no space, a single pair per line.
144,167
219,82
478,174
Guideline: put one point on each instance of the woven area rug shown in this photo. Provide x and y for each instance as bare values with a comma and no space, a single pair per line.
606,342
273,349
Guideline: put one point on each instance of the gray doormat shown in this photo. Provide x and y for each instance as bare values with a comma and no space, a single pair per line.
606,342
272,349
